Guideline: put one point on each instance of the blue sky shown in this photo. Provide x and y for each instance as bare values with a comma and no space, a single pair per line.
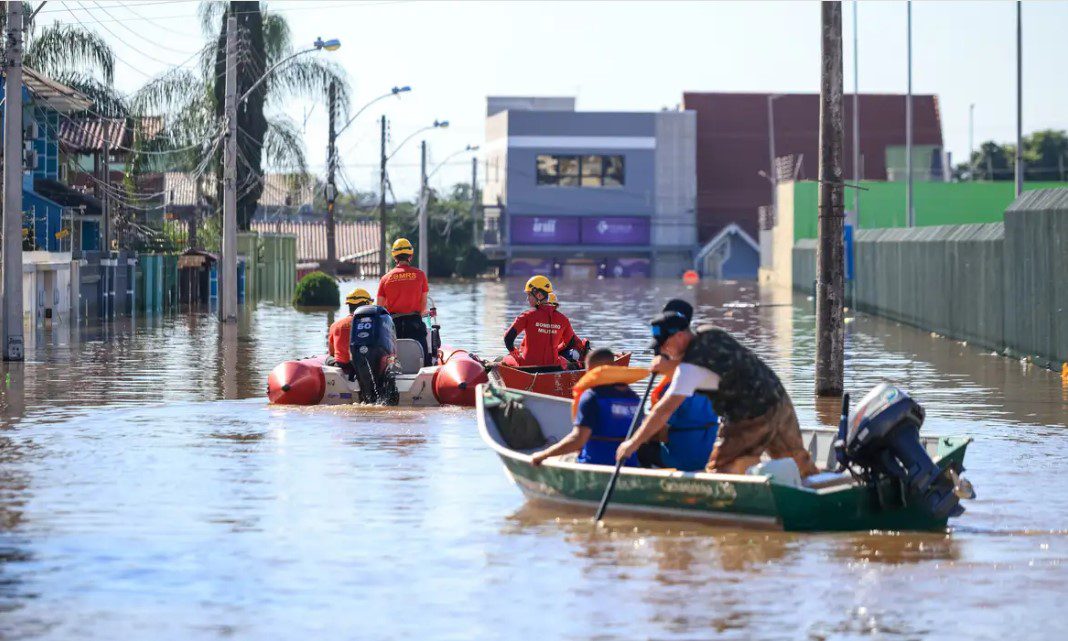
617,56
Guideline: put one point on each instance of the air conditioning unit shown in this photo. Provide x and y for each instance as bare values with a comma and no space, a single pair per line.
29,159
31,131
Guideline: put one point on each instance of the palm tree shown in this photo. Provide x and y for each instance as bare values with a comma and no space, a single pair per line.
73,56
192,101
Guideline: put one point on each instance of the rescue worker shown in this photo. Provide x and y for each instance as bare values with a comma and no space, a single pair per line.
547,332
402,291
576,354
337,341
756,412
602,418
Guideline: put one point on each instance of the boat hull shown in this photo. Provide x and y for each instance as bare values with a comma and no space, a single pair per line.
746,500
551,383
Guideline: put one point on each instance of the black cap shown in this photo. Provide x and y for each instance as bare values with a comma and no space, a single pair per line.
666,325
680,306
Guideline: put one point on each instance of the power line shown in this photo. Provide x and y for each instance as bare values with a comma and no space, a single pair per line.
303,7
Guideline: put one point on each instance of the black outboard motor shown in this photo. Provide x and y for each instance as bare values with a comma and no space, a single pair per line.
373,346
884,439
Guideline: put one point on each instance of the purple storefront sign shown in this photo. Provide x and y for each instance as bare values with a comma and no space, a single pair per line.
544,230
615,230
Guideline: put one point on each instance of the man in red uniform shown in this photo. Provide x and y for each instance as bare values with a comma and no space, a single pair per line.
402,291
337,342
546,331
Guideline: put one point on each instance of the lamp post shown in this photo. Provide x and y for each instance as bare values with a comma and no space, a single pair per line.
438,124
228,274
332,163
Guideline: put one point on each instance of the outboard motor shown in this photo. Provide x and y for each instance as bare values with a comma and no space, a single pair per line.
884,440
373,347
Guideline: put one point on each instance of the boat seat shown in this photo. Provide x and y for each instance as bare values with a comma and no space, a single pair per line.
409,355
828,479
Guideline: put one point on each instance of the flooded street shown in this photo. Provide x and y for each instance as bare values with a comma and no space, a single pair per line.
147,491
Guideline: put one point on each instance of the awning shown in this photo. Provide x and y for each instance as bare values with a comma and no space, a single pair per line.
64,196
57,96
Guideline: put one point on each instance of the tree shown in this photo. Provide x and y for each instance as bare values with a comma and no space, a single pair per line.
192,101
452,249
1046,155
991,162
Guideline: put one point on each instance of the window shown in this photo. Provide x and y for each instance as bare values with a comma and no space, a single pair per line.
556,170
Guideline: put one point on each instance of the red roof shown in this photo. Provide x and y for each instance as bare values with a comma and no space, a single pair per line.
732,145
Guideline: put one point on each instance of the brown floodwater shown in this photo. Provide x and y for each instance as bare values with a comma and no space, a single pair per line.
147,491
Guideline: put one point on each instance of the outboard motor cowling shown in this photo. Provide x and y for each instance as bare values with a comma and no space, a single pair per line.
884,439
373,348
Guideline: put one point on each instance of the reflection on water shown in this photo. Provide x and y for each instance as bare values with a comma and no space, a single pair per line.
148,492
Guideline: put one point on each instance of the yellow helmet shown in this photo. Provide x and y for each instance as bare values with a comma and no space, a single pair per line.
538,284
359,296
553,300
402,246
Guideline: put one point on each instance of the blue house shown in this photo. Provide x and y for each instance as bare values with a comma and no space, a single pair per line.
56,218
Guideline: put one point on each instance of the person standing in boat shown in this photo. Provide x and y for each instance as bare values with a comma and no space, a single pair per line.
403,291
756,412
337,342
546,331
603,415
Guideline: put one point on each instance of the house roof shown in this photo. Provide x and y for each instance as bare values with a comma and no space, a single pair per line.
57,96
282,190
89,134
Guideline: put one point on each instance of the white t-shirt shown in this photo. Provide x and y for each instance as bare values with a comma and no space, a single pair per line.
690,378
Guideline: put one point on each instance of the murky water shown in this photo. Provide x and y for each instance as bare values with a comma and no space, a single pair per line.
147,491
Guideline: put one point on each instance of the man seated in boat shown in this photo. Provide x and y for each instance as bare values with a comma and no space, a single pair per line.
403,291
544,330
603,415
337,342
756,412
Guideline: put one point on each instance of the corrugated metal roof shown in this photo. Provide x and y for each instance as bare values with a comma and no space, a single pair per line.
352,238
89,134
57,96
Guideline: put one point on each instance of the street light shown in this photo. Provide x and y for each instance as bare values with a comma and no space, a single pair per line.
450,157
396,91
332,44
424,198
438,124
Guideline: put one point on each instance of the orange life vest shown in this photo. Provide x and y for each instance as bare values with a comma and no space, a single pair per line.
604,375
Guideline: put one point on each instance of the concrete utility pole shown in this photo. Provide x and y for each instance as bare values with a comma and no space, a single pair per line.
12,241
474,200
331,184
382,203
830,250
857,175
228,274
105,226
773,174
971,142
1019,99
910,214
424,197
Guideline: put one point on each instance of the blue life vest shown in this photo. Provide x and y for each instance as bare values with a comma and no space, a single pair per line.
692,431
608,411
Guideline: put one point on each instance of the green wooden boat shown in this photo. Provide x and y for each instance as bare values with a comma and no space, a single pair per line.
836,502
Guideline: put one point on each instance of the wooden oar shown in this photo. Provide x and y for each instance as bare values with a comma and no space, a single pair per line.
619,464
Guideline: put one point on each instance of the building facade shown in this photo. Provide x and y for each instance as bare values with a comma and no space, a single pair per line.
588,194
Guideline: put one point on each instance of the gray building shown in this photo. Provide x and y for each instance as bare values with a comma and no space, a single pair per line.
588,194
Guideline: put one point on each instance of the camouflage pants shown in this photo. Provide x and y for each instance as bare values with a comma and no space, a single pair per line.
776,432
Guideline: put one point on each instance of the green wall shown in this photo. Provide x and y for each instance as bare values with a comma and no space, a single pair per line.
936,203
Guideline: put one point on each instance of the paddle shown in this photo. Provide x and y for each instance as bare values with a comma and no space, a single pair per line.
619,464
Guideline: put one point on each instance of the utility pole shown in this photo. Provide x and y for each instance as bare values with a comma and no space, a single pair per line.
1019,99
382,203
910,216
857,174
773,174
971,142
198,197
424,198
474,199
105,223
331,184
228,275
830,250
12,227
